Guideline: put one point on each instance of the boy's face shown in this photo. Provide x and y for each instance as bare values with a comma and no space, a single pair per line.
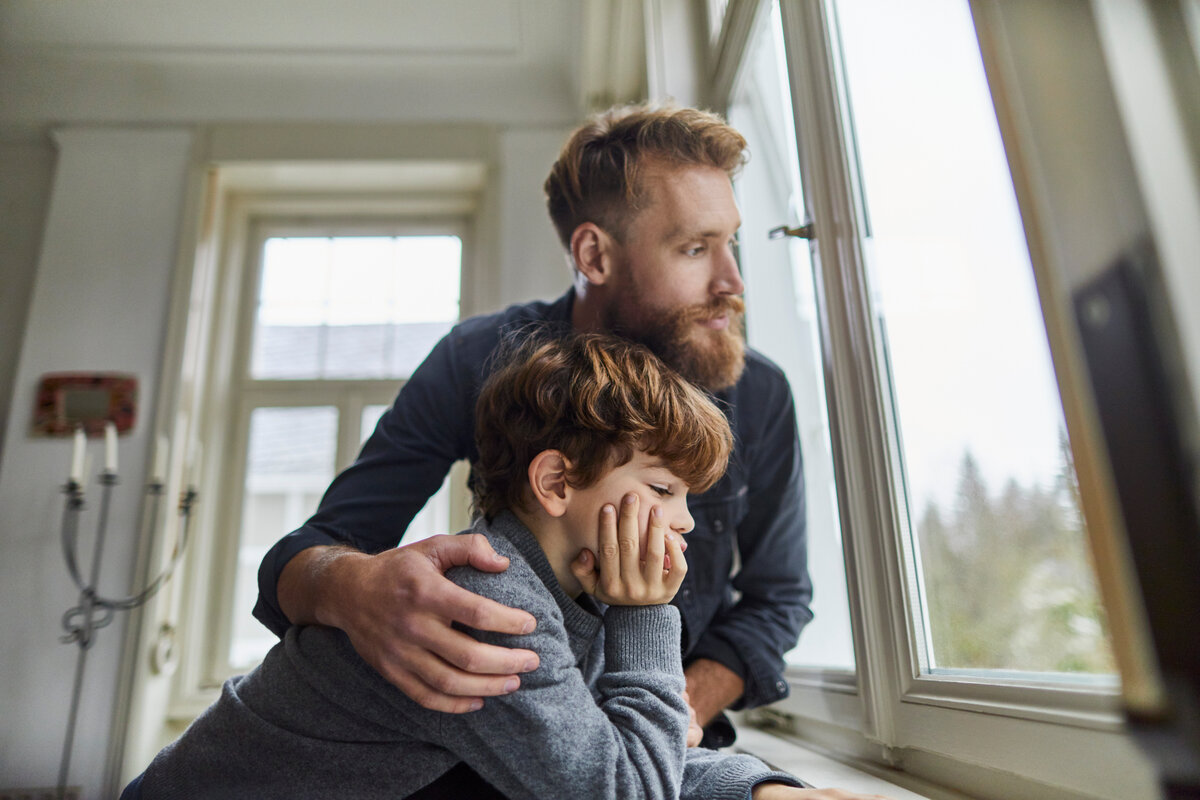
644,476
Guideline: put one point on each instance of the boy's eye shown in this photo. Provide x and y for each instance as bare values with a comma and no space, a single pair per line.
693,251
661,491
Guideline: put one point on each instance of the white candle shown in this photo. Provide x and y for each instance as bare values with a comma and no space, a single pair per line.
77,456
110,448
160,461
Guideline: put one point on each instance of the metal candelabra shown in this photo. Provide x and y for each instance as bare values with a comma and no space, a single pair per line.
94,611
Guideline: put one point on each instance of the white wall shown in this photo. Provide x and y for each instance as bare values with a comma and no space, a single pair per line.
98,303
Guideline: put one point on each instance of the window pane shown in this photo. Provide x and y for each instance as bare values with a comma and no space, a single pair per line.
782,323
353,306
289,462
1002,565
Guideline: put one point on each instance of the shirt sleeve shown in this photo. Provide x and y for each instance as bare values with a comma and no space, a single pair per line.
405,460
624,739
751,636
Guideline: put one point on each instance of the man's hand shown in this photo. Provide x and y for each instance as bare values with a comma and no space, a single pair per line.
397,606
780,791
621,576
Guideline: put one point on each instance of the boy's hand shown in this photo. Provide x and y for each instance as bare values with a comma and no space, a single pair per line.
621,576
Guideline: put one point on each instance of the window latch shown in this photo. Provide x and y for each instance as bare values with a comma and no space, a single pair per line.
805,231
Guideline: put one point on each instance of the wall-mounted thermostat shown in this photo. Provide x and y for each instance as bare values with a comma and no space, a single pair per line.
66,400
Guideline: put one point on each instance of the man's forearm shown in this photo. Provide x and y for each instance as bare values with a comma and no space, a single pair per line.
712,687
306,584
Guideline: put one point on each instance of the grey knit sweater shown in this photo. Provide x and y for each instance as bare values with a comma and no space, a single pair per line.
601,717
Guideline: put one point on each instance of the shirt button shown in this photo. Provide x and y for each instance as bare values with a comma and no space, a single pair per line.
780,685
718,526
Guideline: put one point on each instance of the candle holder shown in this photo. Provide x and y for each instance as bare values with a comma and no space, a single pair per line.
95,611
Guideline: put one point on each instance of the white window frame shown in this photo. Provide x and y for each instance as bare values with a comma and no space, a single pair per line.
203,601
990,738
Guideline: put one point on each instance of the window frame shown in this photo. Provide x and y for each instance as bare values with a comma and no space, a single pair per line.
888,712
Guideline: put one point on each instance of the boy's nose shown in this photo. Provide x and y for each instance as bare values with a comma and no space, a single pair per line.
683,522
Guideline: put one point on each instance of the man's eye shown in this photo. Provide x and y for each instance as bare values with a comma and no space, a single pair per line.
662,491
694,251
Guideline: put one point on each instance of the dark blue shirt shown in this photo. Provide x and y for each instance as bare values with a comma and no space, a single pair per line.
746,594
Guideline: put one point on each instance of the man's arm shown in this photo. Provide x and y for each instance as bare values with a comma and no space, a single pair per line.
712,687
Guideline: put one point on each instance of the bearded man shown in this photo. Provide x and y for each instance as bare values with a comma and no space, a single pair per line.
643,203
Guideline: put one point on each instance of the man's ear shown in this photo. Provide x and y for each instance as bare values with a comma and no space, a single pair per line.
593,253
548,481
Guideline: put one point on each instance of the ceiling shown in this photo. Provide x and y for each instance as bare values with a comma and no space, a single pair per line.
163,61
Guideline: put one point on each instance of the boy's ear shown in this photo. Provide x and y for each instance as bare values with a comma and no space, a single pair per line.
592,251
548,481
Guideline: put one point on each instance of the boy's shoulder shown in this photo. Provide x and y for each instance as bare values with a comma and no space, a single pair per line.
517,586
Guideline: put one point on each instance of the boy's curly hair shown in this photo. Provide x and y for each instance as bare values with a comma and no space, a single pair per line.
596,398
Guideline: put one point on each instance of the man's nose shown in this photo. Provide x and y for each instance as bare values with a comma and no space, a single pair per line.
727,279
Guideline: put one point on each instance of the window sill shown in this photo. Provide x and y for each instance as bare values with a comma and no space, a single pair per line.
822,771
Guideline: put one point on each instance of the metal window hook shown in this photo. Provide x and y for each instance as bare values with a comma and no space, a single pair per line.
805,231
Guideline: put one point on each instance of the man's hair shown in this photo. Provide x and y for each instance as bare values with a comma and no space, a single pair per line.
597,399
597,177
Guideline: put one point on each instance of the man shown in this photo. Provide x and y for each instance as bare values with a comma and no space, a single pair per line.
643,203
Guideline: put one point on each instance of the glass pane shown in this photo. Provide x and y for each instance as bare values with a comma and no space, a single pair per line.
353,306
782,323
289,462
1001,561
434,518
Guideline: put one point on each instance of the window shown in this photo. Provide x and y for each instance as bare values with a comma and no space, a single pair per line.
987,485
336,319
911,328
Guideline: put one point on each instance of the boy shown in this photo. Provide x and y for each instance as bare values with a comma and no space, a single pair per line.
569,431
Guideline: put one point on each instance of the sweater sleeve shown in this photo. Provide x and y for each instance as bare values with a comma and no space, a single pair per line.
713,775
553,738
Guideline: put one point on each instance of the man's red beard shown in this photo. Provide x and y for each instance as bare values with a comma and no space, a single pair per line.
711,358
